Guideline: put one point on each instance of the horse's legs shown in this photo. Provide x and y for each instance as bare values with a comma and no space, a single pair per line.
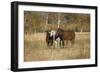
63,44
72,42
66,42
51,43
47,44
60,43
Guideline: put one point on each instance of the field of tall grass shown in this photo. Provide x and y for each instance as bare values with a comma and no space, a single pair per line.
35,48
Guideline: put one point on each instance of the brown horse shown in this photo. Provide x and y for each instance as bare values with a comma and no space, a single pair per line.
66,36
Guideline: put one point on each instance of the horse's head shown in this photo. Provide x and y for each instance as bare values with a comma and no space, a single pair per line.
52,33
59,32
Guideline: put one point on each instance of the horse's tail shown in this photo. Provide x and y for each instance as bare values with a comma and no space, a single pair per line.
73,37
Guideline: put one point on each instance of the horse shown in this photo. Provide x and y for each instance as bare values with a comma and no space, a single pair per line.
56,38
66,36
49,39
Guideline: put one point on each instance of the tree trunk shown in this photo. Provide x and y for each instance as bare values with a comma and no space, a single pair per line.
59,20
46,22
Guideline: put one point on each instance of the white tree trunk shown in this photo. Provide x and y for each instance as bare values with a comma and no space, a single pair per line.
59,20
46,21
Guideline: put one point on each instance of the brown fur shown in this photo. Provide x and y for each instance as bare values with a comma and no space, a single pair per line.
69,36
66,35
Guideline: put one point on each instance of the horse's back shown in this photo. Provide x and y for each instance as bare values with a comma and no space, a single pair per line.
69,35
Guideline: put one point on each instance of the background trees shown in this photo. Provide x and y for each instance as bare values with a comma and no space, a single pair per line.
43,21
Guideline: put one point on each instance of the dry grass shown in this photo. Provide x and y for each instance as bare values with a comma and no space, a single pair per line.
36,49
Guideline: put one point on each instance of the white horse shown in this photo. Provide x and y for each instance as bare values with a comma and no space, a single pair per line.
56,40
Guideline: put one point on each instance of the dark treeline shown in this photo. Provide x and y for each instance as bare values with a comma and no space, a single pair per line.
43,21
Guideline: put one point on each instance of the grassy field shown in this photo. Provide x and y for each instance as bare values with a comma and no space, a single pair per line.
35,48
